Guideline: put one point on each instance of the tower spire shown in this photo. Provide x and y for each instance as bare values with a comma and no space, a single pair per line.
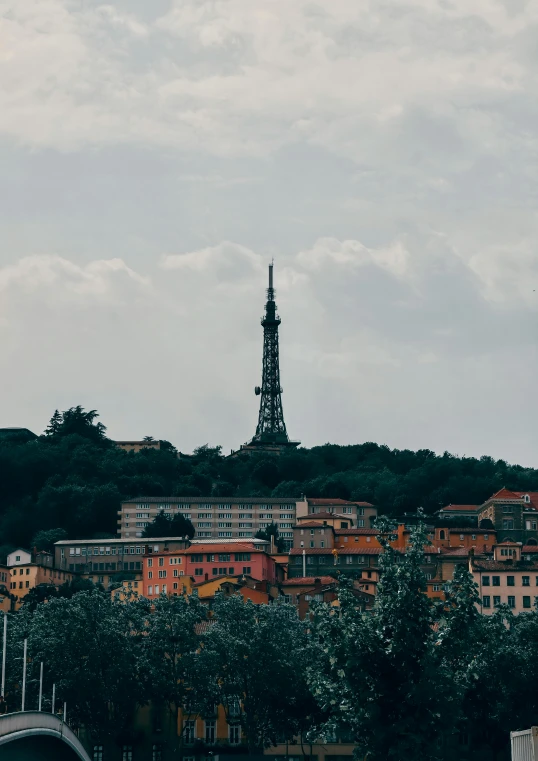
271,429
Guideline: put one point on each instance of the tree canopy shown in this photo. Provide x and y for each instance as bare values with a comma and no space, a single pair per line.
74,478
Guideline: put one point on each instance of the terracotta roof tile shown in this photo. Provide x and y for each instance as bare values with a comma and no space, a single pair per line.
324,515
494,565
307,580
312,524
356,531
504,494
459,508
530,548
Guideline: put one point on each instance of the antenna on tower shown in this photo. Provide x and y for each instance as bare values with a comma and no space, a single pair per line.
271,273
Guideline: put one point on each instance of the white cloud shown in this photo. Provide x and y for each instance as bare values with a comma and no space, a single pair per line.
393,258
69,281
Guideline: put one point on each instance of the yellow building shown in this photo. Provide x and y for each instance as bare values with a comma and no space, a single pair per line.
30,570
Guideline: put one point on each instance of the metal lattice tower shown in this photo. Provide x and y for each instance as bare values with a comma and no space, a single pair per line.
271,429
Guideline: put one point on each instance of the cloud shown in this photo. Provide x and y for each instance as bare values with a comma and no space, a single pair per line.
99,279
393,258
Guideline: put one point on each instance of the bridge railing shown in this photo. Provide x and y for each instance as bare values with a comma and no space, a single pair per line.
39,722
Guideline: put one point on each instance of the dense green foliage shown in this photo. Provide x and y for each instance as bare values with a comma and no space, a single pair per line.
74,478
411,679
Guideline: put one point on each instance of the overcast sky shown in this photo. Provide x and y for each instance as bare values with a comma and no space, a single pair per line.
156,154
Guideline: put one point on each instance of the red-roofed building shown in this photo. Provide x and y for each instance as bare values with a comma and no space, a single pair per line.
360,514
509,578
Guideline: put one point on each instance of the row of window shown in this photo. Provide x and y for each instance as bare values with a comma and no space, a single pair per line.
326,559
221,557
108,550
230,571
189,506
510,581
511,601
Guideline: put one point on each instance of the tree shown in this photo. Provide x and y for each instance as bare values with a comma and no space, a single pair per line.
98,674
166,526
169,654
378,673
76,421
255,656
45,540
269,532
148,439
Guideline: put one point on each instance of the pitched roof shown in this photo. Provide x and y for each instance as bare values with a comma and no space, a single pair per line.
325,515
312,524
356,531
469,530
497,565
213,500
504,493
459,508
508,541
529,548
532,495
308,580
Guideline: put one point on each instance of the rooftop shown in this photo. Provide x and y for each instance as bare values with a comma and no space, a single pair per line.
459,508
344,551
356,531
211,500
309,580
224,547
337,501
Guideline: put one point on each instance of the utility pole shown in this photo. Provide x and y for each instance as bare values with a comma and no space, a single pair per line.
40,685
24,674
4,655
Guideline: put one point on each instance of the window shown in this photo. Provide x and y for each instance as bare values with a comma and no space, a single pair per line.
242,556
442,535
234,734
162,574
198,571
473,537
157,589
511,601
347,510
224,516
127,753
157,753
224,558
225,533
462,537
508,509
437,588
496,581
510,580
508,523
486,601
485,581
210,732
322,559
526,601
161,561
496,600
27,584
245,525
98,753
197,558
486,537
245,516
349,559
189,731
205,524
312,544
507,552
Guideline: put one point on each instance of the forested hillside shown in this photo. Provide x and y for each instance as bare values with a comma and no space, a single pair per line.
73,477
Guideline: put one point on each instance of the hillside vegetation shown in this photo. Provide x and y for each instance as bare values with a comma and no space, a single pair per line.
74,478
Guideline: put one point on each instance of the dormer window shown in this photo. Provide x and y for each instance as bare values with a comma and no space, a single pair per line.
526,498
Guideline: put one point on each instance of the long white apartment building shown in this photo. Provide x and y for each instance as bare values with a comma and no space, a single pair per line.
237,518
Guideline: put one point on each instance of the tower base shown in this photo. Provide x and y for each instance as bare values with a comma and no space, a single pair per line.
271,447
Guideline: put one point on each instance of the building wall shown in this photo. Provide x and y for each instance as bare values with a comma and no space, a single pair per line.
26,577
105,560
522,594
211,517
362,514
137,446
207,562
19,557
